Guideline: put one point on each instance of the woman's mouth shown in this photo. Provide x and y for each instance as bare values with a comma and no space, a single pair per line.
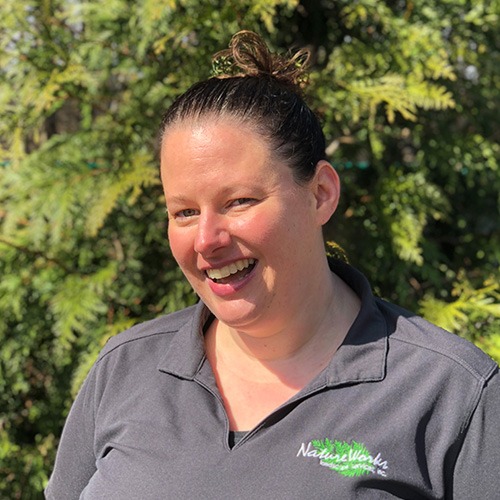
232,272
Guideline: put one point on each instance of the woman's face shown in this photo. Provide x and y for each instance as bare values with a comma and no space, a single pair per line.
244,233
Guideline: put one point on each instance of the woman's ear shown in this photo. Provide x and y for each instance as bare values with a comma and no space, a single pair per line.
326,187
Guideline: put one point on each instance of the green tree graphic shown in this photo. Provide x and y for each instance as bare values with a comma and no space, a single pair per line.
357,454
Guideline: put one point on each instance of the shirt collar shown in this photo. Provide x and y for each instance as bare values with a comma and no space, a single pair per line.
362,355
360,358
186,352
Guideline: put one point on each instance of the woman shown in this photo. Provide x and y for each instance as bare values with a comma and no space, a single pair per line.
288,379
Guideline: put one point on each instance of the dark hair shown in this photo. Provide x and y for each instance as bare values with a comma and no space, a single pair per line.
266,94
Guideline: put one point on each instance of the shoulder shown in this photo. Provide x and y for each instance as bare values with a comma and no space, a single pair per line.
433,345
156,330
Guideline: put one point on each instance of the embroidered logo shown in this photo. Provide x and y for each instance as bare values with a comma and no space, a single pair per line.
347,459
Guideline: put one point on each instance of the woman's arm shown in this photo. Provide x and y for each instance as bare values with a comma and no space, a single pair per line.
477,470
75,460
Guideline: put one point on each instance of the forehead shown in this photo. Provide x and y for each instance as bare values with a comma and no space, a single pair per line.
211,130
208,151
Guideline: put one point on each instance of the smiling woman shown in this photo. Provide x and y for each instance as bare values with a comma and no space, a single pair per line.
289,379
231,199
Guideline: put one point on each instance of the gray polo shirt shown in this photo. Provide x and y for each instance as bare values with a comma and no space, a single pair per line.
404,410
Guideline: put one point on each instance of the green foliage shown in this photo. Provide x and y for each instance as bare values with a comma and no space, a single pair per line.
407,202
407,95
399,95
469,308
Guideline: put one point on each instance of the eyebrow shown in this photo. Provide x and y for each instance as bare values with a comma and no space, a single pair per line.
178,199
222,191
230,190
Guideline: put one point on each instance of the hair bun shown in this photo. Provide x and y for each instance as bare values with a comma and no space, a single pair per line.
248,55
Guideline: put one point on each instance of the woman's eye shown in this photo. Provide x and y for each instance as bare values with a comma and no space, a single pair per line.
188,212
242,201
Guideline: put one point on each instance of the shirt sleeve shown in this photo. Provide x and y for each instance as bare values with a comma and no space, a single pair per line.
477,470
75,459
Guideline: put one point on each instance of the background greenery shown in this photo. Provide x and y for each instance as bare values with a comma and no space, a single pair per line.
406,91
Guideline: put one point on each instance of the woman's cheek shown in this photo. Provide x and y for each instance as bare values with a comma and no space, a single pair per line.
181,244
260,227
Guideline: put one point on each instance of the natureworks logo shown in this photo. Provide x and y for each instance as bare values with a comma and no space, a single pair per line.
348,459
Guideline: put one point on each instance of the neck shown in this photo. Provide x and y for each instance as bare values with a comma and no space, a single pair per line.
308,338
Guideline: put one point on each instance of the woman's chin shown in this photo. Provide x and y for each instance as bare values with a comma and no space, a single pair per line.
236,314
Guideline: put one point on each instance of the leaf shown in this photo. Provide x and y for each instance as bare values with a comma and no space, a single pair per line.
80,302
131,181
400,95
455,314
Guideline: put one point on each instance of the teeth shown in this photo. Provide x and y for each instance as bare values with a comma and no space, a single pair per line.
232,268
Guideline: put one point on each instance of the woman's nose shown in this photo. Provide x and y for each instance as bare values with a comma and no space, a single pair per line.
211,234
